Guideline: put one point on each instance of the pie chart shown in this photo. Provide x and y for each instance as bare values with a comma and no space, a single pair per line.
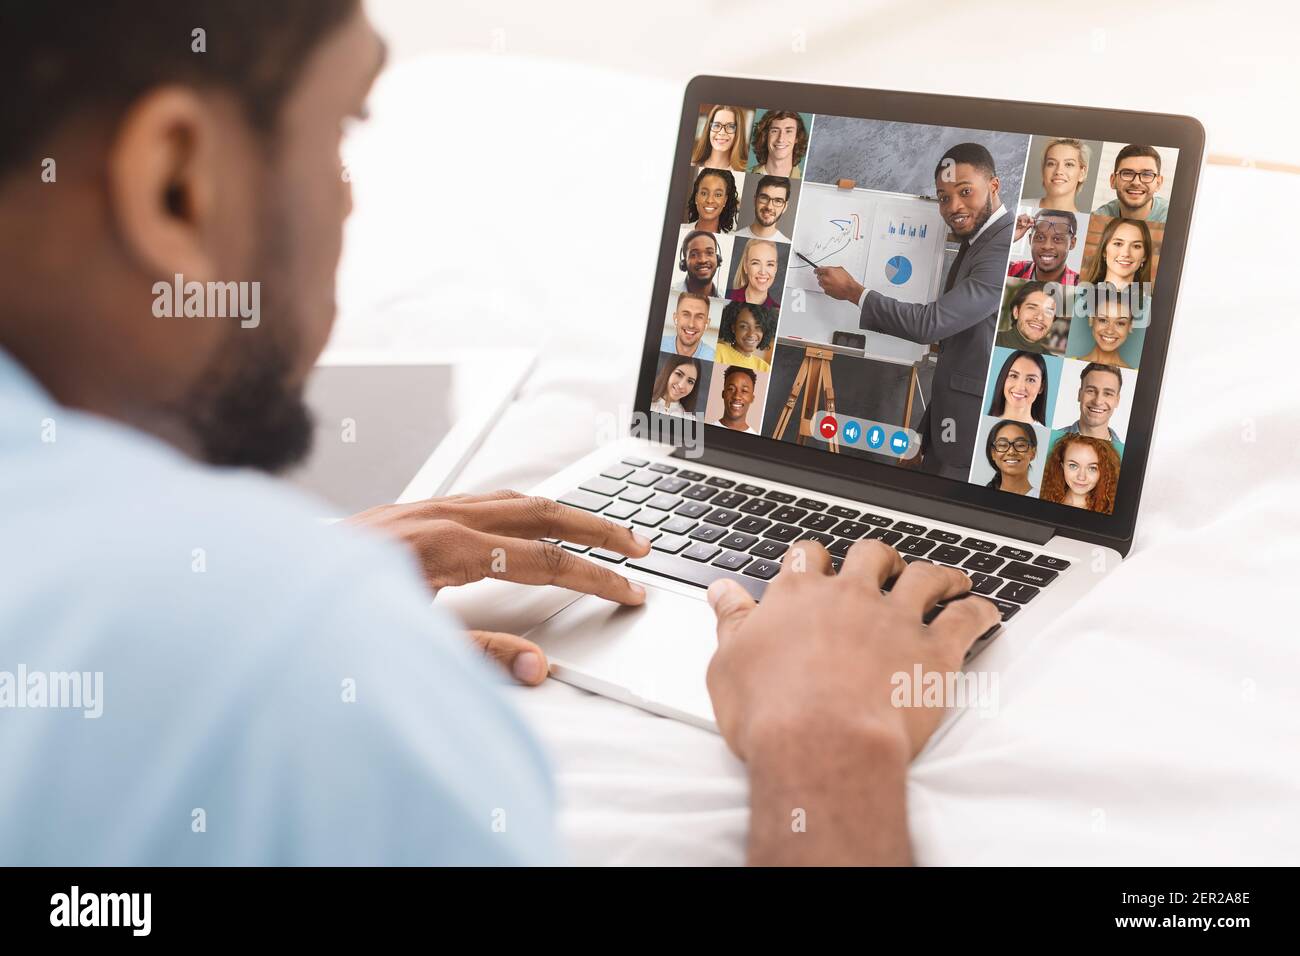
898,270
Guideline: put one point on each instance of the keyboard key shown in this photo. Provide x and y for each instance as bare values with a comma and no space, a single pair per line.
757,506
659,466
636,462
586,500
693,572
621,510
838,511
691,475
947,537
986,563
780,496
639,495
722,516
782,532
1047,561
699,492
739,542
880,521
1019,593
670,486
728,499
824,540
678,524
1028,574
984,583
850,529
818,522
670,543
914,545
906,528
613,557
575,548
812,504
751,525
949,554
721,482
732,561
836,564
764,569
913,559
1006,608
840,547
889,536
789,515
701,551
643,478
978,544
663,502
708,532
1015,554
769,549
692,509
618,472
649,518
750,489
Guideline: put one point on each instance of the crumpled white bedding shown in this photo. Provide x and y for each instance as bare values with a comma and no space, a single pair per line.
1157,721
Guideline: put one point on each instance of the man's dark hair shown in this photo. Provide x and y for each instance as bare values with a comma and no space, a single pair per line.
60,60
1128,152
1098,367
770,180
739,370
972,154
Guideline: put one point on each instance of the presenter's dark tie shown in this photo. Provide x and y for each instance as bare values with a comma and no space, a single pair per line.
956,265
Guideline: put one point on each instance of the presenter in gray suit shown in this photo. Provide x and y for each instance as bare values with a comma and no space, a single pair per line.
963,319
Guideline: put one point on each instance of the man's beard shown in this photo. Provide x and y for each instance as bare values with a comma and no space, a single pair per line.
984,216
243,413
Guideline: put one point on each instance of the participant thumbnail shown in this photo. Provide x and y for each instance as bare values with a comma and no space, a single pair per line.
1082,472
1010,456
1035,317
736,398
679,384
1138,182
1022,386
713,200
759,273
767,207
779,142
701,257
1105,327
1061,173
722,138
747,336
691,328
1047,247
1094,400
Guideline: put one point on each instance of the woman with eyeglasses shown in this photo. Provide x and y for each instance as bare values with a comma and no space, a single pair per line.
1010,450
722,143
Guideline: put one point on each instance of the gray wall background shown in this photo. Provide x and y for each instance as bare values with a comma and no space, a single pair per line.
900,157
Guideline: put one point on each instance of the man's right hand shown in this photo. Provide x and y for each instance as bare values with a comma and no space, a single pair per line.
802,689
1024,223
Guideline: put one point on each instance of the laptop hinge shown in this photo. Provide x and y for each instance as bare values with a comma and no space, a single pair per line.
867,493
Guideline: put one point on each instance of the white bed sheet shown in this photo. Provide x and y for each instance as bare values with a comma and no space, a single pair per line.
1158,721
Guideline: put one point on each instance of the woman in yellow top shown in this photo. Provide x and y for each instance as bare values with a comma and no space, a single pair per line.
746,336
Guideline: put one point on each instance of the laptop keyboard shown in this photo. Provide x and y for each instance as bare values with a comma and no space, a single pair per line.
703,527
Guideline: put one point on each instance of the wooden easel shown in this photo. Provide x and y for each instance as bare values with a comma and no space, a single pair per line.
811,383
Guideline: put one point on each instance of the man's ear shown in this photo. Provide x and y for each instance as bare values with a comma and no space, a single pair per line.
162,183
995,185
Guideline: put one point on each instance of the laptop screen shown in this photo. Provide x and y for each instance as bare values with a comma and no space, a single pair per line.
971,304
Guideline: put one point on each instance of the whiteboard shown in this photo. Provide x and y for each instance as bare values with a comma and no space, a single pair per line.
852,229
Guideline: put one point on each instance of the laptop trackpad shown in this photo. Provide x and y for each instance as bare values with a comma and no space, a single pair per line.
654,656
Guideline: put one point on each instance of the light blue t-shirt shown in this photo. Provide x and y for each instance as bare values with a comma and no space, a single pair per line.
270,689
1159,209
702,352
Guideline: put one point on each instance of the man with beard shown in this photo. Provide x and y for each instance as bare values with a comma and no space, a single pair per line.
700,260
1136,180
771,199
963,320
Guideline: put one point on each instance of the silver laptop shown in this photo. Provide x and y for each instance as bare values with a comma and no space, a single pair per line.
936,321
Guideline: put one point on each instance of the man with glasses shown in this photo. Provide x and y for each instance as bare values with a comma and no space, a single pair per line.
1054,237
771,199
1136,180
